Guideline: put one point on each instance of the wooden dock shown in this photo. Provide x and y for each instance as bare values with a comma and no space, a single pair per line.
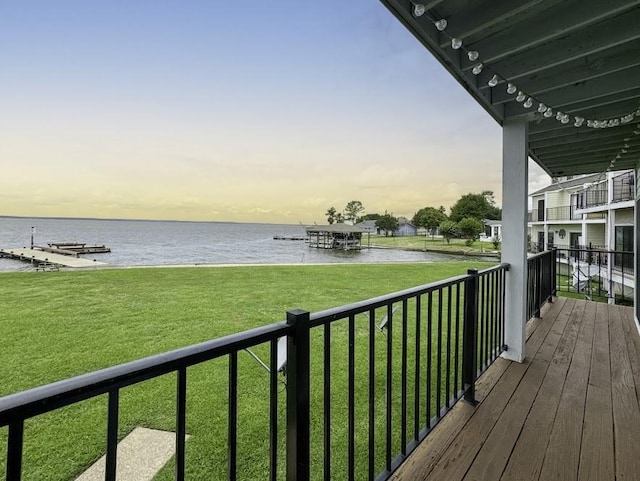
290,238
38,256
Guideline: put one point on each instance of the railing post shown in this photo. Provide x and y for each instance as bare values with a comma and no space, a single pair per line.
298,396
470,344
538,285
554,275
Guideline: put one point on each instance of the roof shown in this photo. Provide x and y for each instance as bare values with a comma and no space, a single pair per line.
335,228
567,184
579,57
367,223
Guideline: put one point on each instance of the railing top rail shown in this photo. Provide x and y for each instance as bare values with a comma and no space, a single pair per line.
599,250
504,266
539,254
359,307
624,174
46,398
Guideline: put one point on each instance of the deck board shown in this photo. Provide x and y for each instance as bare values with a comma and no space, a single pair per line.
430,451
596,457
563,451
626,415
570,411
527,457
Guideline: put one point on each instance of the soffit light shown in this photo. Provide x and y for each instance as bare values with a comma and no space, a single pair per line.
522,97
441,24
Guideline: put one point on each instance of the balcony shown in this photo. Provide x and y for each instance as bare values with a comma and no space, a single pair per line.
561,213
591,197
566,212
569,412
623,187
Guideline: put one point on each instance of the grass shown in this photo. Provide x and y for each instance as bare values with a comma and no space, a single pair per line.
429,243
62,324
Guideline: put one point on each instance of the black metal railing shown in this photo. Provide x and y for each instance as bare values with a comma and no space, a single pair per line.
596,273
410,356
590,197
624,187
541,274
536,215
565,212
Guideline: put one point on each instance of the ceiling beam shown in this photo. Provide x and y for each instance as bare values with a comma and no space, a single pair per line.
489,17
569,18
580,70
619,102
609,153
599,37
592,136
547,128
583,147
596,88
596,157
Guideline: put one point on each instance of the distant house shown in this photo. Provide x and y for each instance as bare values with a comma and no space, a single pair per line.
335,236
405,229
369,226
492,229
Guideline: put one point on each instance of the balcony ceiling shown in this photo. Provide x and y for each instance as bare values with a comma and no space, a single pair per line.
580,57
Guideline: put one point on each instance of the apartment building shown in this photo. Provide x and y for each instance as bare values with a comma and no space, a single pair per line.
589,212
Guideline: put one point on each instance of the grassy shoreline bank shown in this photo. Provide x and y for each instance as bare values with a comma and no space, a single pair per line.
432,244
67,323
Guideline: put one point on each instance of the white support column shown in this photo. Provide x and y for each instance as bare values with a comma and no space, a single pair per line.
515,180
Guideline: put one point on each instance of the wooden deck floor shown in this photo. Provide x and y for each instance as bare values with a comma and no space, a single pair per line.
570,412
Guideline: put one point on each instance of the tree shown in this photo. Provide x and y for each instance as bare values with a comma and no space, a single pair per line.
429,218
331,215
470,229
369,217
479,206
339,218
448,230
352,210
388,223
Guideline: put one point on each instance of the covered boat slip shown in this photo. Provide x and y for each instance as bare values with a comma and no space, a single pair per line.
569,411
335,236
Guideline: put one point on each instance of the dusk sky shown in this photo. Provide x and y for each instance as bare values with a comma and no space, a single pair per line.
266,111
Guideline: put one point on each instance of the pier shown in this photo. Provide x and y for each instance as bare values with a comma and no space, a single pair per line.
80,248
290,238
39,256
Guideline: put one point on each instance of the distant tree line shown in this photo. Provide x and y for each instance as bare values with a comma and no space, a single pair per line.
465,219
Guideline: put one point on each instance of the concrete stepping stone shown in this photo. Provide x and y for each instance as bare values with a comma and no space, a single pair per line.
141,454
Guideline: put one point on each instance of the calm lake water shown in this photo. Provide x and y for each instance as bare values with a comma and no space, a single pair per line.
156,243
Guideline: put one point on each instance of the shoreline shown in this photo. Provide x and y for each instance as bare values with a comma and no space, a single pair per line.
462,252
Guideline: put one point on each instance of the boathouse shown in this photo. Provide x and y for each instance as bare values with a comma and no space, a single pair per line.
335,236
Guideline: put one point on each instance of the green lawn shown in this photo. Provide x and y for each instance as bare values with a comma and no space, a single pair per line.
428,243
61,324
